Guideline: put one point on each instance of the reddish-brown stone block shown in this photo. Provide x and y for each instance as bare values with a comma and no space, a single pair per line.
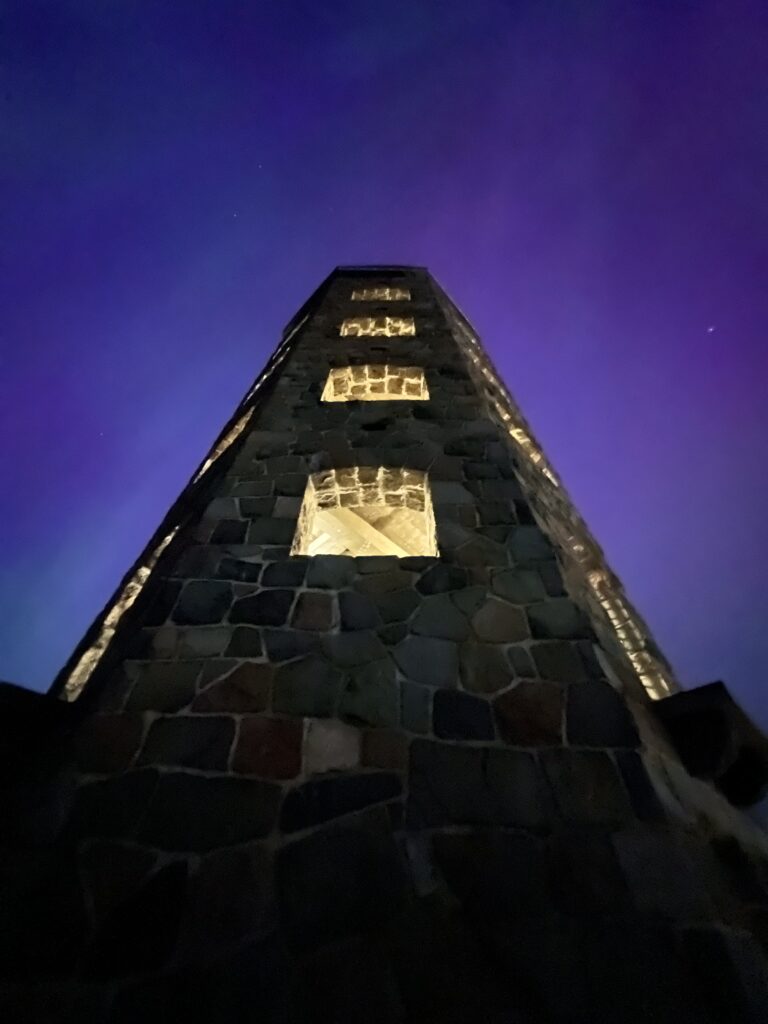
385,748
531,714
269,747
314,610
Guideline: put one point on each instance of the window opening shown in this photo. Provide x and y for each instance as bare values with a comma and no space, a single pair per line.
378,326
375,382
366,511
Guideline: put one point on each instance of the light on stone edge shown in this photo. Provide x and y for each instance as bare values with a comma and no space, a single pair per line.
90,658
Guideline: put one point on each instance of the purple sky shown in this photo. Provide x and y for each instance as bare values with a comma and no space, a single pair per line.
587,180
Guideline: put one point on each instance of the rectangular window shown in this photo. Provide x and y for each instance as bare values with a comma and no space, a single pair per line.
378,326
381,295
366,510
375,383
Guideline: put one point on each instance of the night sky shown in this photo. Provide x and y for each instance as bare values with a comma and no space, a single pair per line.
588,181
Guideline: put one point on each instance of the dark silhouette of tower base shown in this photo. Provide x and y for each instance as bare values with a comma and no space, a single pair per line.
371,733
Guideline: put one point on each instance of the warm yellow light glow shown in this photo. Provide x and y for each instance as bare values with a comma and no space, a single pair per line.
650,673
88,661
381,295
373,383
224,443
366,511
566,526
378,326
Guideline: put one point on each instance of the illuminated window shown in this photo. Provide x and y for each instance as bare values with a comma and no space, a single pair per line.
381,295
375,384
366,511
377,326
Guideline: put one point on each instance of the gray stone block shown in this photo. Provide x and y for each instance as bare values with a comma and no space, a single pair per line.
164,686
429,661
397,605
331,572
310,687
371,695
519,586
441,578
559,661
284,644
289,573
351,649
271,531
190,741
498,622
528,544
484,667
203,602
357,611
439,617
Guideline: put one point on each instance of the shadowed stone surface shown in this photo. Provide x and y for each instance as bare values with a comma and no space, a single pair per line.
415,707
498,622
309,687
439,617
385,748
191,812
586,787
371,695
558,618
530,714
441,578
598,717
190,741
107,743
289,573
322,799
337,883
267,608
237,569
245,642
202,602
474,786
247,688
269,747
484,668
164,686
429,661
519,586
314,611
357,611
230,897
459,716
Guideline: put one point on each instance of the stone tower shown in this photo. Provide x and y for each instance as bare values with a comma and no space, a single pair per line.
371,733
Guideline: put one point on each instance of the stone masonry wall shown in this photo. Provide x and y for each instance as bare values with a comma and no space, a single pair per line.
378,789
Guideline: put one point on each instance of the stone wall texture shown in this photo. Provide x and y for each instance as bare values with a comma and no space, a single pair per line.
374,789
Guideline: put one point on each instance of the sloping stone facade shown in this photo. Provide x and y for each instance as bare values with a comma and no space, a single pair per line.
373,789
